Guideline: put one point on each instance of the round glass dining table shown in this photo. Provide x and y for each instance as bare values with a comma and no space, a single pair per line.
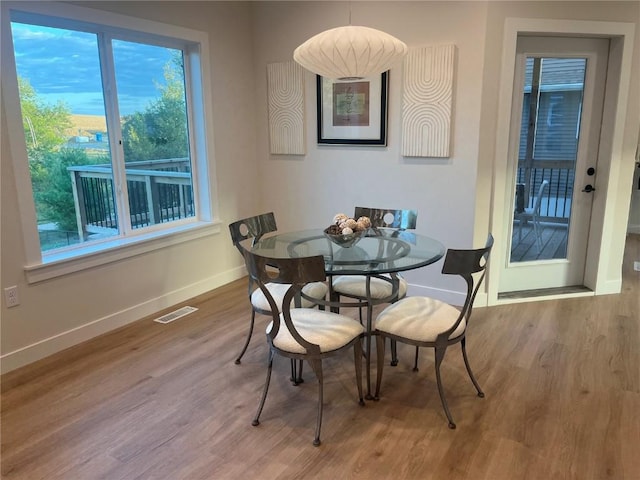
380,253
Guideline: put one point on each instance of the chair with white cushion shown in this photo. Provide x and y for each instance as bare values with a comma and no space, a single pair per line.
255,228
427,322
303,333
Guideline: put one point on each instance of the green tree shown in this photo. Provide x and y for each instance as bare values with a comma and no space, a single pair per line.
45,125
56,202
44,130
160,131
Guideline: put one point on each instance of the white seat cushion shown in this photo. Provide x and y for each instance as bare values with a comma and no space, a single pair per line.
278,290
328,330
356,285
420,319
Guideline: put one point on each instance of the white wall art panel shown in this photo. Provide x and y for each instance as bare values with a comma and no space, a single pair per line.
285,83
426,101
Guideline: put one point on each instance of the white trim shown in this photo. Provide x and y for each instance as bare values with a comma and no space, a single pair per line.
121,248
514,26
117,22
610,287
49,346
17,145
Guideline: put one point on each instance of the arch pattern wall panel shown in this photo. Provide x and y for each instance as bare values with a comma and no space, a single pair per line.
426,101
285,84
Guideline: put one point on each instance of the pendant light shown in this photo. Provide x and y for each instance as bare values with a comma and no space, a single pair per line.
350,52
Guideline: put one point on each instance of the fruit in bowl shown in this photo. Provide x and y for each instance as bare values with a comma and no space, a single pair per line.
346,231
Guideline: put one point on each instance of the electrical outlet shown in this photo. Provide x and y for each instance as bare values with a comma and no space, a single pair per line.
11,296
636,266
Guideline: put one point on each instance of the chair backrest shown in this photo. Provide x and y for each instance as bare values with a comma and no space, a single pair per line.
388,217
252,227
294,271
470,265
538,199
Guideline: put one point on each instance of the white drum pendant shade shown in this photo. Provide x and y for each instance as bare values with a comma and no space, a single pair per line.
350,52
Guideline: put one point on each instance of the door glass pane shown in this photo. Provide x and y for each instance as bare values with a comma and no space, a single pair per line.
153,114
66,133
547,154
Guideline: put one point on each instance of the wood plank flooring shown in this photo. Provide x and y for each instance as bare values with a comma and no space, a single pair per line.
152,401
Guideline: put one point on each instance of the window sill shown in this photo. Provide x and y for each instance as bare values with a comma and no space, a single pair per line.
59,264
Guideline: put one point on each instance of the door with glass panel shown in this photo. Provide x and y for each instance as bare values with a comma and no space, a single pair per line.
553,153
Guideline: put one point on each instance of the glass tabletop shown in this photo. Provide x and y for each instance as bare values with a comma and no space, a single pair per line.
381,250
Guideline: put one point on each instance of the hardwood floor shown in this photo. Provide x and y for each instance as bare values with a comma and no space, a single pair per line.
152,401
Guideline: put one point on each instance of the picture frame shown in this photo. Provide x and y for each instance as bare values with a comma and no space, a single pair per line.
353,112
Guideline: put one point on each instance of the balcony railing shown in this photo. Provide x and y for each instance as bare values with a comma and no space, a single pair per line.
159,191
555,205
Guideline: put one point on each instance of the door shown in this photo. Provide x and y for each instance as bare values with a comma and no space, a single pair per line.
553,146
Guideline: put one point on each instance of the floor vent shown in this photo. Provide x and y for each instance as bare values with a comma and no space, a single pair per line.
171,316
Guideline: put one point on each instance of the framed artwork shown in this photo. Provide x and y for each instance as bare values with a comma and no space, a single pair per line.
353,112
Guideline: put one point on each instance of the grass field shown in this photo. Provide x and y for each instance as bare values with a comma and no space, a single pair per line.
86,123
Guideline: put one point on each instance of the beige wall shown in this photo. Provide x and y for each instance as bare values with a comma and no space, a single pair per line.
453,195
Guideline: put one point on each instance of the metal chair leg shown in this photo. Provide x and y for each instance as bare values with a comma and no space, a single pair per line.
296,372
439,356
415,362
463,342
256,420
357,360
394,354
368,351
316,365
380,341
246,342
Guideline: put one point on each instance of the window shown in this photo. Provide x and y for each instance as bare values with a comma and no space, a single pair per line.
114,129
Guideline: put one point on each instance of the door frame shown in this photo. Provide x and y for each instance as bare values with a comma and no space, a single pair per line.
603,235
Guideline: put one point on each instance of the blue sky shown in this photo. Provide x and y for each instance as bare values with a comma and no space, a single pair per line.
63,65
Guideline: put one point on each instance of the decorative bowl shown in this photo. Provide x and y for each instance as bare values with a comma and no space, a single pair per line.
345,240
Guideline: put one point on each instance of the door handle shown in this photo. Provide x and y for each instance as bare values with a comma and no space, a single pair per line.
588,188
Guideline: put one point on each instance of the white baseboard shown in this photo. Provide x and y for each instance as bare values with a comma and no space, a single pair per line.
49,346
633,229
610,287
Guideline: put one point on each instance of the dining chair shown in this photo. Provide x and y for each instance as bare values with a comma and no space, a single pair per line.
427,322
363,288
303,333
533,214
255,228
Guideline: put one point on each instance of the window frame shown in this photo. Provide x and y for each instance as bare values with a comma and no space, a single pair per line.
195,45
